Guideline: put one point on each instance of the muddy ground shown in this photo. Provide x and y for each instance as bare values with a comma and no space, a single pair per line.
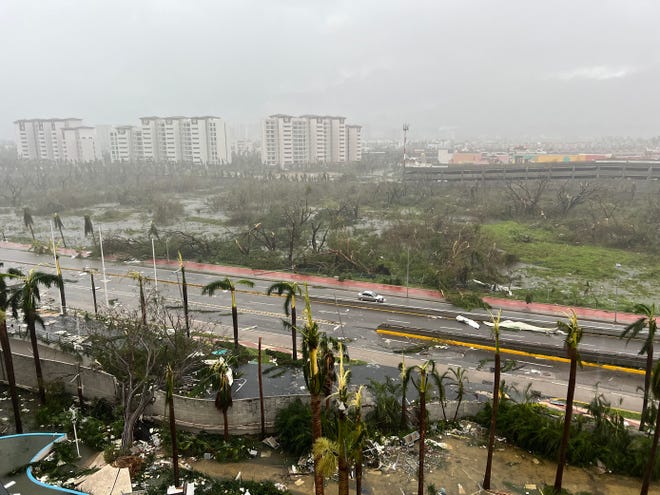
455,462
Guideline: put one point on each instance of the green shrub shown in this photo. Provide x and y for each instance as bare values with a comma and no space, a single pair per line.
603,437
60,464
56,410
385,417
103,410
94,433
197,444
294,426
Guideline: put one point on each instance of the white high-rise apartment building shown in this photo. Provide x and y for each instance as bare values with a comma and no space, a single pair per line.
289,140
79,144
126,144
353,143
42,139
185,139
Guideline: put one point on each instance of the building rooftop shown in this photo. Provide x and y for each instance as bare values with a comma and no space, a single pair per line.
53,119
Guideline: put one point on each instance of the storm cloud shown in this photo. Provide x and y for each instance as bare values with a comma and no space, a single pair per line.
467,68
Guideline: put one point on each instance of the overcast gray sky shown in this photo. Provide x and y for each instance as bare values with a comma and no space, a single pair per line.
510,68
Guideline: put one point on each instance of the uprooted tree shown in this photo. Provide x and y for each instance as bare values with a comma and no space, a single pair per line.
138,355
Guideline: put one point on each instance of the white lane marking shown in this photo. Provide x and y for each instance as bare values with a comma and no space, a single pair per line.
399,321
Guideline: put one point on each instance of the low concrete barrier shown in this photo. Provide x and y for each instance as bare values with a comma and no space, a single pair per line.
244,417
95,383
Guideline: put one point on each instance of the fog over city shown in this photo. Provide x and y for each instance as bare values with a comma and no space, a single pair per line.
511,69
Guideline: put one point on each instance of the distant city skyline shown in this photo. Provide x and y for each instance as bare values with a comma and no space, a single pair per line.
475,68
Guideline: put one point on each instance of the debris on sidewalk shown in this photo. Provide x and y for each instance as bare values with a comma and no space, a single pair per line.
271,442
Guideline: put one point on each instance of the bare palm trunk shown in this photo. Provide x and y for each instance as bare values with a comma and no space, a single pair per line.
563,447
184,292
648,471
647,386
62,236
11,377
316,434
493,422
35,354
422,438
261,396
96,308
294,346
342,460
62,295
358,474
226,424
143,303
79,387
404,409
234,320
32,232
175,447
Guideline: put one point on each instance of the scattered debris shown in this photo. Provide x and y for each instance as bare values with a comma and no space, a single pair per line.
271,442
410,439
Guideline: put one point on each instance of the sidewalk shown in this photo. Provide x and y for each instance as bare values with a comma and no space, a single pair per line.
392,290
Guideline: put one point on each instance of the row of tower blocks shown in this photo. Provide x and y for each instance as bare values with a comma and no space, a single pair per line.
286,140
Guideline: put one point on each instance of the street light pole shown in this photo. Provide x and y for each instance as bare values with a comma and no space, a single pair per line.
153,257
105,278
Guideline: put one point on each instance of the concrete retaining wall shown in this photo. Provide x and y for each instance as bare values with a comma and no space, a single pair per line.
96,383
244,417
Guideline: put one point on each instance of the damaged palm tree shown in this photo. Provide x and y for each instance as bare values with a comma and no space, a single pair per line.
26,296
169,397
143,300
227,285
314,370
88,228
184,294
346,451
223,376
290,290
496,399
28,221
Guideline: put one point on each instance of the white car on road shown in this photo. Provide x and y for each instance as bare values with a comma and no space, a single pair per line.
369,295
